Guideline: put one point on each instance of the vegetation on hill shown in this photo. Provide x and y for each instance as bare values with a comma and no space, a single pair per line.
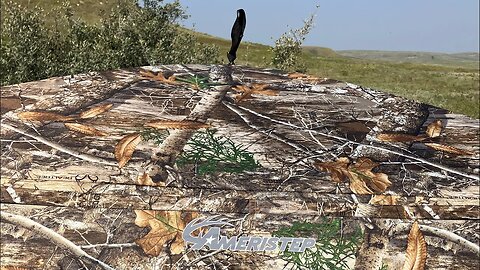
95,39
34,46
465,60
288,48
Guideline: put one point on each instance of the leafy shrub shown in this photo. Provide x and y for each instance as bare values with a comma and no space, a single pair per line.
288,48
33,47
23,45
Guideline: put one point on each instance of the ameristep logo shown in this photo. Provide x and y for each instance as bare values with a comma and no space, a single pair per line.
215,241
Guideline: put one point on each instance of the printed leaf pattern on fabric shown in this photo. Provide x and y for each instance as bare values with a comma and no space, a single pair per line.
255,88
77,127
384,199
362,179
434,129
125,148
85,129
398,137
449,149
44,117
96,111
416,254
165,230
338,169
160,77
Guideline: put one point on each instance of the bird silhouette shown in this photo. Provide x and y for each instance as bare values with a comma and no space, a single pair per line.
236,35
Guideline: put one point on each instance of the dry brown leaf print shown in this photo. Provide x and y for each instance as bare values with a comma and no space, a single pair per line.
362,179
158,77
398,137
169,124
338,169
165,228
358,186
85,129
44,116
434,129
388,200
384,200
246,92
449,149
255,88
364,164
362,170
263,89
125,148
242,88
96,111
416,254
241,97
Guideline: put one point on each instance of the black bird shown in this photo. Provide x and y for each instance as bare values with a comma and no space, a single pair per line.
236,35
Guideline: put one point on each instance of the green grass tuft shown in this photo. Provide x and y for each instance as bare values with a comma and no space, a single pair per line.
332,247
209,153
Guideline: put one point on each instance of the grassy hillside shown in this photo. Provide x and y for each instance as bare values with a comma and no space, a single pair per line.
450,81
467,60
320,51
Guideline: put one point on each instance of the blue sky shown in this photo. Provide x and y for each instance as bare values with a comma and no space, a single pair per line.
407,25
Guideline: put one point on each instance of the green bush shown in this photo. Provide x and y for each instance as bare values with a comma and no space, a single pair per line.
288,48
34,47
